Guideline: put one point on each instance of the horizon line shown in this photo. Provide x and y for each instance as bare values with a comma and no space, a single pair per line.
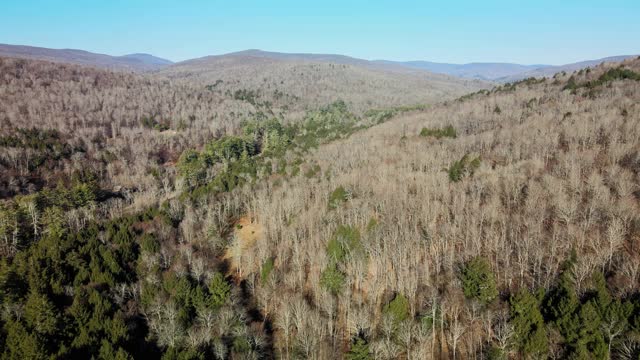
326,54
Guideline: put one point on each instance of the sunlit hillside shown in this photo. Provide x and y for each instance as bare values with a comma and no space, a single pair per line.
262,208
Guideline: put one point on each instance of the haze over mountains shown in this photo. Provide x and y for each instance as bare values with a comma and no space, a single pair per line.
502,72
489,71
484,71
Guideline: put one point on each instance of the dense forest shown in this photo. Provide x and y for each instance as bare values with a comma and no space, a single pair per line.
151,217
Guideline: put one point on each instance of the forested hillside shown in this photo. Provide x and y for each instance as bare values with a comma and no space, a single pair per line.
147,217
503,224
315,80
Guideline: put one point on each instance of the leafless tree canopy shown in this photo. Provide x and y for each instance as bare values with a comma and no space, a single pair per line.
363,237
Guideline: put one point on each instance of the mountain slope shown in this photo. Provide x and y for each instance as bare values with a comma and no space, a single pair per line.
144,217
133,62
533,181
316,80
549,71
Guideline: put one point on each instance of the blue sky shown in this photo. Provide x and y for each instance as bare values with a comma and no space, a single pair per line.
529,32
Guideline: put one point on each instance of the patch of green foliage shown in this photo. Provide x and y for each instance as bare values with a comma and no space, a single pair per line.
211,87
270,136
462,168
587,325
344,244
25,218
372,224
580,320
496,353
71,324
229,149
332,279
530,335
234,158
504,88
150,122
192,167
398,309
331,122
619,73
478,282
378,116
250,96
149,244
219,290
571,84
408,108
68,283
472,95
232,161
359,350
448,131
338,197
48,145
36,139
266,270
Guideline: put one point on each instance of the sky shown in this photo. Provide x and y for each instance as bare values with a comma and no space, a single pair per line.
521,31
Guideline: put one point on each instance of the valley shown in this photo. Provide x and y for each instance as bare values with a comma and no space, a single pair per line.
263,205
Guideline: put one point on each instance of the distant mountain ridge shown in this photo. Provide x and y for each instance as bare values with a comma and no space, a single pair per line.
481,71
502,72
492,72
132,62
257,55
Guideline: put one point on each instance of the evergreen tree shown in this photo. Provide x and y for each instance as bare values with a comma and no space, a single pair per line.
530,334
219,290
359,350
398,308
589,336
21,343
332,279
562,305
40,314
478,281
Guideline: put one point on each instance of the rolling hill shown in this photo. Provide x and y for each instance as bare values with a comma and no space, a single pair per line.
315,79
297,82
212,68
132,62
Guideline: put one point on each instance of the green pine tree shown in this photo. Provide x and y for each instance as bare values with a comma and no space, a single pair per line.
529,328
359,350
478,281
